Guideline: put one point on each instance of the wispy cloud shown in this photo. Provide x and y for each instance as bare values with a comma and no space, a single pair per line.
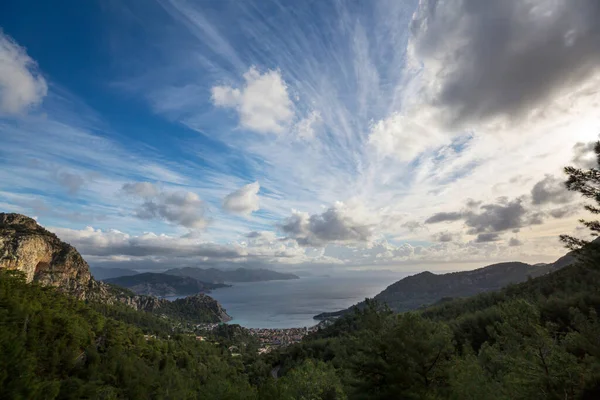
361,121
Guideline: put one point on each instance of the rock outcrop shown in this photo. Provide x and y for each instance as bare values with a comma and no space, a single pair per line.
43,258
27,247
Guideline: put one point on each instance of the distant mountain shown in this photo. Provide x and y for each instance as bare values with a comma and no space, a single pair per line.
101,273
163,285
428,288
214,275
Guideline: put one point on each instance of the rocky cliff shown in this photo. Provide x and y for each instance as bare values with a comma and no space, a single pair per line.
27,247
42,257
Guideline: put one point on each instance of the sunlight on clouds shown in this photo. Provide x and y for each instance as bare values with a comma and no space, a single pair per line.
367,125
243,201
404,138
263,103
21,84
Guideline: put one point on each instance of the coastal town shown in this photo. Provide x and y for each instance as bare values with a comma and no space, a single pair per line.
273,338
270,338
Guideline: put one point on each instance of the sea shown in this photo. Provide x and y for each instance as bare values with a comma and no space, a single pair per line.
293,303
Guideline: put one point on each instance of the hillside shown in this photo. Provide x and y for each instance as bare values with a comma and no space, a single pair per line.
163,285
535,339
43,258
237,275
426,288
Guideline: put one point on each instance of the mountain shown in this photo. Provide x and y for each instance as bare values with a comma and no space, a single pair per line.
101,273
426,288
43,258
238,275
163,285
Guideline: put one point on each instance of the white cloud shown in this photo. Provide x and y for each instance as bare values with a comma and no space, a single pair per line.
176,207
403,137
152,251
338,224
305,128
263,103
244,200
21,84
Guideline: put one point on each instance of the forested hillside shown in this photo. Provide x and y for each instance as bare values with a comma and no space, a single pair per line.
427,288
53,346
535,340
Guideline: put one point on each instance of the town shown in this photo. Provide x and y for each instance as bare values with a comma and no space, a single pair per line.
270,338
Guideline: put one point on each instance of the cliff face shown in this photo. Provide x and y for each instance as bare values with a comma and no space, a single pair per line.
27,247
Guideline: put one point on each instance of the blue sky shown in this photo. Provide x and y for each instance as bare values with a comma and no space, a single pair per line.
294,135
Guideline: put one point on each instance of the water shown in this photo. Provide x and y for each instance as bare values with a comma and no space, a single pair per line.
293,303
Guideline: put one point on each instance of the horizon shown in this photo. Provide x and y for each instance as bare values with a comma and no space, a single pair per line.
320,137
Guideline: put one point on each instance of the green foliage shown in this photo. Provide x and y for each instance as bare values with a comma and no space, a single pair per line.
539,339
536,340
312,380
53,346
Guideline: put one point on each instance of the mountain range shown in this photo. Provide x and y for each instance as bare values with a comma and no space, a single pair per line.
163,285
101,273
214,275
427,288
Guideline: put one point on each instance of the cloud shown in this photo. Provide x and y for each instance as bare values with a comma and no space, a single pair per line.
513,242
96,242
263,104
141,189
550,190
402,137
305,128
485,58
413,226
338,224
444,237
497,217
488,220
444,217
176,207
152,251
244,200
487,237
71,181
584,155
21,84
565,211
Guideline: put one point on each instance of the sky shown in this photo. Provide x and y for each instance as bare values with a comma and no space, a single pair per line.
315,135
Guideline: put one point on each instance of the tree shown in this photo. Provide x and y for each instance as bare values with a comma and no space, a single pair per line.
528,358
312,380
407,357
587,183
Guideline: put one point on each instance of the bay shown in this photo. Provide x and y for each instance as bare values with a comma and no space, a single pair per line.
293,303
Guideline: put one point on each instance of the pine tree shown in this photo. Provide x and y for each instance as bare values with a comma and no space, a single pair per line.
587,183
